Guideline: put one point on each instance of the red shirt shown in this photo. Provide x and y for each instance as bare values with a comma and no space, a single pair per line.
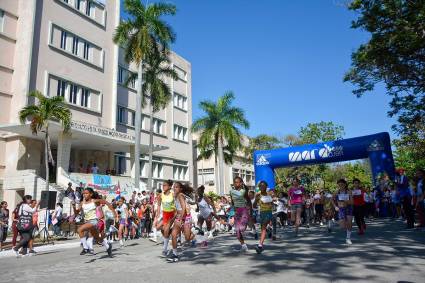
358,197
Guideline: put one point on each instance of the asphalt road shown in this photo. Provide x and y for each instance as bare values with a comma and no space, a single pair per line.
387,253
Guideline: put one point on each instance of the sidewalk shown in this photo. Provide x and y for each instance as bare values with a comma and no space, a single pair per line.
40,247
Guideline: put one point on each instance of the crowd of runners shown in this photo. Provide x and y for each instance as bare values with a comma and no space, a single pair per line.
181,217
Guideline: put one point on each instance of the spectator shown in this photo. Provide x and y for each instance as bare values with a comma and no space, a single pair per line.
420,197
81,168
405,198
4,223
94,169
57,219
25,224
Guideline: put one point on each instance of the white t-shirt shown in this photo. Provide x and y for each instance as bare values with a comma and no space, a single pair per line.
58,212
94,169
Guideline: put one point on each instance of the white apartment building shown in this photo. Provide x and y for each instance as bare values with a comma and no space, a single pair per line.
65,47
207,170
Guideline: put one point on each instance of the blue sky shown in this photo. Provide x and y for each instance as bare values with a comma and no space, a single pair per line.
283,59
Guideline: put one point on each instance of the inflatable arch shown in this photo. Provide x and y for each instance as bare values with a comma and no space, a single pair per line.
376,147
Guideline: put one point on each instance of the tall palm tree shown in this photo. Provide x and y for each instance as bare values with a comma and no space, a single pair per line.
219,129
157,68
47,110
136,35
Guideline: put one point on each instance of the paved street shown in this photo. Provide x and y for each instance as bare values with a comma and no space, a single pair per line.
388,253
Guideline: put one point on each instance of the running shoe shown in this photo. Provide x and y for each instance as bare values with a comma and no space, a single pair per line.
193,243
173,258
244,248
256,235
321,224
164,254
348,241
259,249
16,252
90,252
109,250
83,252
32,252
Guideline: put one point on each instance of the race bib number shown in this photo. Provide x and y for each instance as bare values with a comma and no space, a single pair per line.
298,192
266,199
236,193
357,192
343,197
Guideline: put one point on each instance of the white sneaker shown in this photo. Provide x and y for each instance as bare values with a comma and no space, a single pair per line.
321,223
348,241
244,248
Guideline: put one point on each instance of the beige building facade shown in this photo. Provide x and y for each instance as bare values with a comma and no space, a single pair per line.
207,171
65,48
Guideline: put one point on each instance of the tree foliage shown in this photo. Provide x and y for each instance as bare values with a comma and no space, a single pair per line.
320,132
261,142
394,56
220,123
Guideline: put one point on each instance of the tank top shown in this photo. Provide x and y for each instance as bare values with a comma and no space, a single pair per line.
89,210
204,208
178,204
168,203
266,204
121,209
238,197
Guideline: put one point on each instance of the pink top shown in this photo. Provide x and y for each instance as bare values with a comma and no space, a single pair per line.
296,195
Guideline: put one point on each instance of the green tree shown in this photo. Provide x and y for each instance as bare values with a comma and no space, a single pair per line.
408,156
156,90
219,128
261,142
320,132
47,110
395,56
137,35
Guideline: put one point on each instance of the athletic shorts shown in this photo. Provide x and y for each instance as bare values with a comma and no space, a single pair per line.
100,226
343,212
94,222
122,221
167,216
295,206
188,221
265,217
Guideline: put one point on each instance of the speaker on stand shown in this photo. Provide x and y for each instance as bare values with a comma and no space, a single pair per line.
48,202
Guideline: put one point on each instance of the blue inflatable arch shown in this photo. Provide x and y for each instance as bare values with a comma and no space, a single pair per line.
376,147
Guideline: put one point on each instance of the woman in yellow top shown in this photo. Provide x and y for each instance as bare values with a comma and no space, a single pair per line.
264,201
167,204
90,201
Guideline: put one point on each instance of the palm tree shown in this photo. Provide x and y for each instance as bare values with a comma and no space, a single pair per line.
219,130
136,35
47,110
157,68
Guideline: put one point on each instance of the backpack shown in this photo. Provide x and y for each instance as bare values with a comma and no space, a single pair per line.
25,222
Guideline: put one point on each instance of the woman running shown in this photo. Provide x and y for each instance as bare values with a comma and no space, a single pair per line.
344,206
296,197
206,209
359,205
122,210
264,200
329,208
180,218
166,202
89,207
239,198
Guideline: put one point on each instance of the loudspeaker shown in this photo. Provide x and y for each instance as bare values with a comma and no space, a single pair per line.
48,200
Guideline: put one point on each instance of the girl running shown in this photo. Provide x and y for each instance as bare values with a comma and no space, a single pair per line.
359,205
206,209
166,202
122,210
329,209
264,200
296,197
344,207
180,218
239,198
88,206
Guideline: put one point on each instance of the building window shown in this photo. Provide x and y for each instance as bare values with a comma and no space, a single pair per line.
1,20
180,133
180,101
123,75
180,170
73,92
88,8
120,75
75,45
61,88
63,40
77,4
181,73
133,118
85,95
120,163
158,126
86,52
121,115
157,171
